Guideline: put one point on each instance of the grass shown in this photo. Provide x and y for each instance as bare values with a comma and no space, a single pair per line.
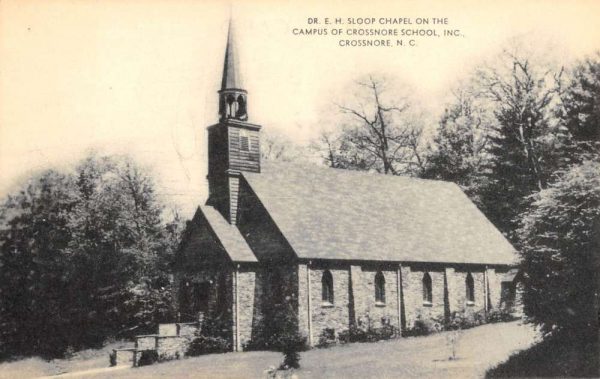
415,357
553,357
37,367
477,350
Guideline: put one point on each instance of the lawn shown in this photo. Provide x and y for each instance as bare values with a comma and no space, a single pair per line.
555,357
478,349
37,367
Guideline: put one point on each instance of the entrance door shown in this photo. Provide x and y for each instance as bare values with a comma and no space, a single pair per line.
201,295
193,300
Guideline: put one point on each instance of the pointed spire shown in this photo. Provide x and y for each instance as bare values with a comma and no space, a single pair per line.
231,75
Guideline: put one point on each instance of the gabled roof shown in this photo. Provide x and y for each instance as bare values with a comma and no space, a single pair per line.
339,214
228,235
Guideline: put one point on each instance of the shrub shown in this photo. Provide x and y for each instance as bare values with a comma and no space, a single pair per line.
169,356
202,344
327,338
387,332
354,334
262,341
147,358
500,315
424,327
462,320
357,334
292,345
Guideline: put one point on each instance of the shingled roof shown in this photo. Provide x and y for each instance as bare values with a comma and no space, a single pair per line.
228,235
347,215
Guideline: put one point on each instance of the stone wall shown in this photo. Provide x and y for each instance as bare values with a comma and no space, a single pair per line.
326,315
247,296
186,328
167,329
495,284
146,342
258,288
304,324
172,347
459,301
412,288
354,295
367,310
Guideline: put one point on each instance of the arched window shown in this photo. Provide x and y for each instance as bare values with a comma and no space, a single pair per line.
427,288
379,287
470,288
327,287
231,106
241,111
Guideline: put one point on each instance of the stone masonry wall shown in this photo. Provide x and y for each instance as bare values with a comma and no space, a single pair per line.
367,310
325,315
303,322
172,347
412,288
448,284
247,302
494,283
459,301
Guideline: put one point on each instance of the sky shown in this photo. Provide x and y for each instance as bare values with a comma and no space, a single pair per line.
140,77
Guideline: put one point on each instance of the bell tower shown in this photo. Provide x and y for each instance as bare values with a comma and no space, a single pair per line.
232,97
233,143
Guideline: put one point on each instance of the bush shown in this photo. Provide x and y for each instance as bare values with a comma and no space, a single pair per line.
424,327
463,320
261,341
357,334
292,344
384,333
147,358
354,334
201,345
327,338
558,239
500,315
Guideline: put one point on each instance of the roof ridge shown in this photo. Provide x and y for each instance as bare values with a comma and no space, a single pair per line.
351,172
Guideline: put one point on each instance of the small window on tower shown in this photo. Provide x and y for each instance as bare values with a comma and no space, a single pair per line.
244,141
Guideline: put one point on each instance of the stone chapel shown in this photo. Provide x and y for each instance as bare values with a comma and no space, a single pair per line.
337,247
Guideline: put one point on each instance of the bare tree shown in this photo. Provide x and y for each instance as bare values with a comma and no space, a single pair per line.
277,147
377,132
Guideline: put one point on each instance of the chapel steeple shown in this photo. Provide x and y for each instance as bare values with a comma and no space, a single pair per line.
233,143
232,96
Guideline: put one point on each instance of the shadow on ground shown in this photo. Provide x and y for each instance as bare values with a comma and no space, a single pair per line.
554,357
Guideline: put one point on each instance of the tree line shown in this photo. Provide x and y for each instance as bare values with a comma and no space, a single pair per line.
522,139
85,256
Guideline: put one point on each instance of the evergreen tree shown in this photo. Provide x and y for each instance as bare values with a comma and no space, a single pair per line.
458,150
582,107
560,239
526,142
